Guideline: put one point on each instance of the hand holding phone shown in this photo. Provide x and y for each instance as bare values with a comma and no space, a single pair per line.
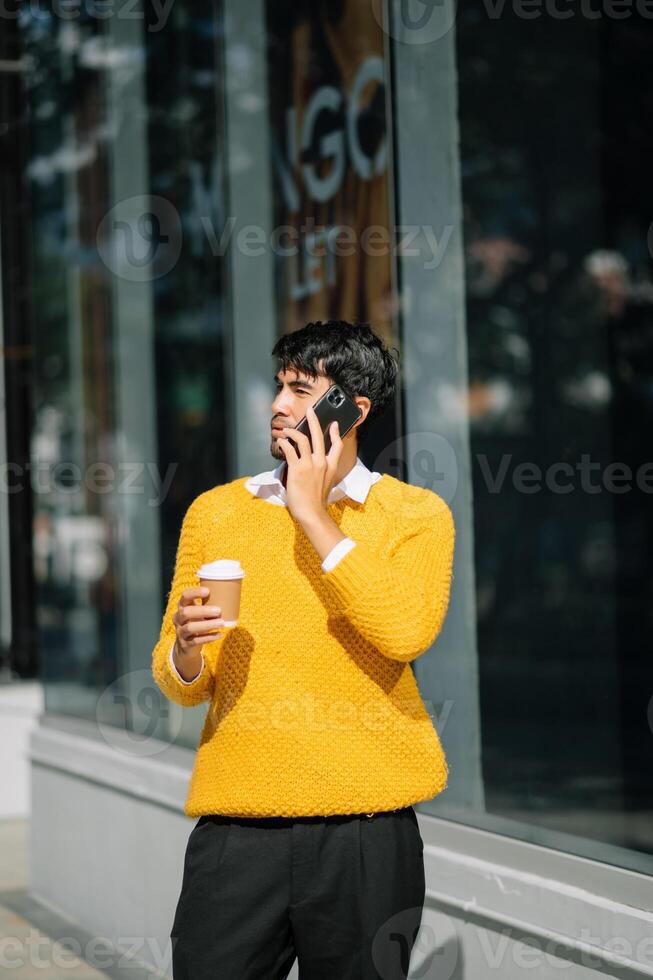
334,405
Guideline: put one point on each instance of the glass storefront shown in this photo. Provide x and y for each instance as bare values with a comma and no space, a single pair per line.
130,399
559,308
202,178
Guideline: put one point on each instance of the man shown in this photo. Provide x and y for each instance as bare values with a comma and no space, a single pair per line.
316,742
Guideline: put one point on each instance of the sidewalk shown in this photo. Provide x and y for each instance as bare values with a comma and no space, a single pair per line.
35,942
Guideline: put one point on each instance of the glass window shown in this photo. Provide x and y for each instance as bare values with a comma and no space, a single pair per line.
556,207
333,242
130,405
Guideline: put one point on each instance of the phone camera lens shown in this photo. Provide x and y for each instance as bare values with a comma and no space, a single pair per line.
336,397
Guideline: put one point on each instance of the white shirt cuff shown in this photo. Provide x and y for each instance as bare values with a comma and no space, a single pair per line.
337,552
174,667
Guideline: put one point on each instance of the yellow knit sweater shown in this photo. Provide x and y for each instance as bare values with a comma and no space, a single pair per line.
314,708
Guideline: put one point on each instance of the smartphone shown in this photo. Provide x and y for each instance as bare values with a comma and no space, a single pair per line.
333,406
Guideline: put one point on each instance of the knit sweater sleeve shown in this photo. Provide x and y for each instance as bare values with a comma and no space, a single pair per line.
188,560
398,600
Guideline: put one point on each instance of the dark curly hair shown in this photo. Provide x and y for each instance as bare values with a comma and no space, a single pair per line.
351,355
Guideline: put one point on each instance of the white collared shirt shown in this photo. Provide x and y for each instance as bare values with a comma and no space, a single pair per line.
268,485
355,484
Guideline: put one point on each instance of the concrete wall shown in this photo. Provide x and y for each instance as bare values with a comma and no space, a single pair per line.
21,703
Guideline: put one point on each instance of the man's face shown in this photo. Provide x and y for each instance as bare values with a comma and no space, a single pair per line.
294,392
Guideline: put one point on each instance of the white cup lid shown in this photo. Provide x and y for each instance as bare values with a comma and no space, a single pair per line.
223,568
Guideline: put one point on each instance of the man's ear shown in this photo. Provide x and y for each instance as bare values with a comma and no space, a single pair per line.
365,405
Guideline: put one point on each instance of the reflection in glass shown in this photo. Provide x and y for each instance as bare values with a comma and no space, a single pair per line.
560,323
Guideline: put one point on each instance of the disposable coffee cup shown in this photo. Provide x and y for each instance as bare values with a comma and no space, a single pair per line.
224,580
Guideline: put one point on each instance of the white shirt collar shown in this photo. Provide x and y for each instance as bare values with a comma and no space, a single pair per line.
355,484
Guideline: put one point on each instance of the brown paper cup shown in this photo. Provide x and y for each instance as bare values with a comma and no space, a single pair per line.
224,580
224,593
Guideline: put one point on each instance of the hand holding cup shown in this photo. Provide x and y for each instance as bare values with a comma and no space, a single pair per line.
224,580
196,624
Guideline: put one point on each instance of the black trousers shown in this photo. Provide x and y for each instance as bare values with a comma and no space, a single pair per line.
343,894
